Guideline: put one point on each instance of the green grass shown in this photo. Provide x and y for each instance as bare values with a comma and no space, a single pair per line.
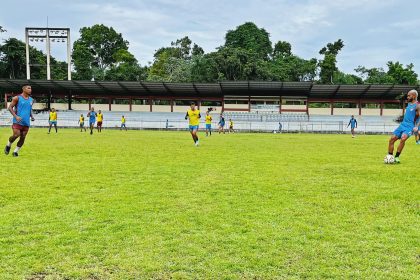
142,204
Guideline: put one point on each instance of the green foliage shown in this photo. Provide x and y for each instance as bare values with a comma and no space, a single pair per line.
328,65
150,205
282,49
401,75
346,79
100,49
13,62
250,38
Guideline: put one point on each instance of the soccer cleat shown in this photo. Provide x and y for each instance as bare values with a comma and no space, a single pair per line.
397,160
196,144
7,150
15,154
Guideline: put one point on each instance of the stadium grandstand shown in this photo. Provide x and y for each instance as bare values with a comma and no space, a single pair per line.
254,106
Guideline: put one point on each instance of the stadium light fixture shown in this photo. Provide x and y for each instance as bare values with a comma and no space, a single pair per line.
49,35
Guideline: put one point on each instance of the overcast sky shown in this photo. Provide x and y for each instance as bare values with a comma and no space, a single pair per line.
373,31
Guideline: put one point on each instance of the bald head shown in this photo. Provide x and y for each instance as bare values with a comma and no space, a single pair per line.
412,95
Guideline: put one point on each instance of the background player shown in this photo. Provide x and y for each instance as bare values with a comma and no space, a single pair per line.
407,127
52,120
194,120
82,123
99,120
123,123
222,124
353,125
92,119
21,110
208,123
231,130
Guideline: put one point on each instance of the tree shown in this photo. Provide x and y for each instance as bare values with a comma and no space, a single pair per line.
328,64
346,79
2,29
250,38
282,48
401,75
95,51
13,62
374,75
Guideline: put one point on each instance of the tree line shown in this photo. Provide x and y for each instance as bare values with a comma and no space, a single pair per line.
101,53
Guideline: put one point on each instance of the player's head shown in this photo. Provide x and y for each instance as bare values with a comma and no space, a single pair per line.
192,105
207,113
412,95
123,116
99,111
352,116
92,109
52,109
81,115
27,89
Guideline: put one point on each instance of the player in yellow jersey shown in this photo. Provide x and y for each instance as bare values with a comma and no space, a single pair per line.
99,120
208,123
231,130
52,120
123,123
82,123
194,121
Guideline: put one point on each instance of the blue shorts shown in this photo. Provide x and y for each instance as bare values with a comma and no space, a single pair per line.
91,123
53,122
193,127
403,129
208,126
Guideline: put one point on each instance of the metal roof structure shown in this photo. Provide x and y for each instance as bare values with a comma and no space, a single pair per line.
118,89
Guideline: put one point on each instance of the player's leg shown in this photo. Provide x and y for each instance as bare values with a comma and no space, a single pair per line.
21,141
391,144
91,125
400,148
55,126
15,135
194,132
49,127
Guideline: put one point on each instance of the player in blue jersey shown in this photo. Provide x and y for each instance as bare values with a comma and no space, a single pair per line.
408,125
353,124
21,110
92,119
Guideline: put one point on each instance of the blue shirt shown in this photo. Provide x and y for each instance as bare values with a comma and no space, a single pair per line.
23,109
92,117
353,123
410,115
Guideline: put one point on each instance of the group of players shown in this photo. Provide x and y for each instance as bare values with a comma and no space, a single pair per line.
94,118
21,110
193,115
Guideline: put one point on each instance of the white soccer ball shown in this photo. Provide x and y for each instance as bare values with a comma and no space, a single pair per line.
389,159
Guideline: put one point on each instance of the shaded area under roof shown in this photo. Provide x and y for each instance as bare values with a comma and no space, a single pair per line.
209,90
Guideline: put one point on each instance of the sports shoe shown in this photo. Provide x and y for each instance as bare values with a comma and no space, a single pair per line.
418,142
15,154
196,144
397,160
7,150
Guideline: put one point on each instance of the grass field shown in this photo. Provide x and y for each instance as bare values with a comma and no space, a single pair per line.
143,204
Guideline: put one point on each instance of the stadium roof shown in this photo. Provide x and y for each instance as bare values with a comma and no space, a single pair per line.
209,90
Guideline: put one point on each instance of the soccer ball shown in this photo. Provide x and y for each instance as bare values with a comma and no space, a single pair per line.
389,159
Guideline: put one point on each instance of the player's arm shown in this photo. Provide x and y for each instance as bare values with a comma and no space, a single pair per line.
186,116
349,124
199,116
417,123
355,122
11,106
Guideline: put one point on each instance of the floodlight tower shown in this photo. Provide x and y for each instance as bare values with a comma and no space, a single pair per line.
59,35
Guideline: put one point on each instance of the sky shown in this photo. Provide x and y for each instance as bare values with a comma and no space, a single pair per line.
373,31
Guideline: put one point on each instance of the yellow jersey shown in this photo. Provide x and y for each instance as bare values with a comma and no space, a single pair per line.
122,120
82,119
99,117
208,119
53,116
231,123
194,116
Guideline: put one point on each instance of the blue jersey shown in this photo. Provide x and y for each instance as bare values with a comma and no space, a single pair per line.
352,123
410,115
23,109
92,117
